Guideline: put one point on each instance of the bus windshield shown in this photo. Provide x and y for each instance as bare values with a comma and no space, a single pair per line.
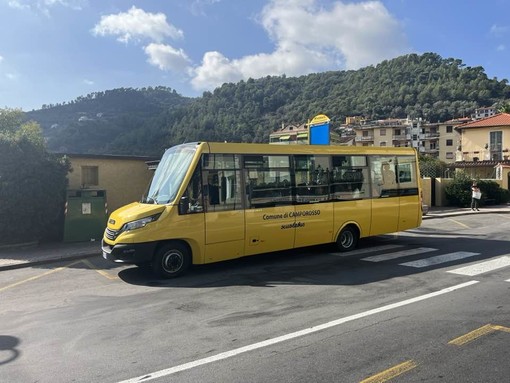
169,174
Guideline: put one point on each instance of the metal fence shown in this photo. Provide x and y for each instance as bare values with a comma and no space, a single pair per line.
435,170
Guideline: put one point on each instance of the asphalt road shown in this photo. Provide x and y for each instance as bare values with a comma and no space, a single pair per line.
430,304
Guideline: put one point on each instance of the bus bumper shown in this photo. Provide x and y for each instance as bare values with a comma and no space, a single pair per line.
128,252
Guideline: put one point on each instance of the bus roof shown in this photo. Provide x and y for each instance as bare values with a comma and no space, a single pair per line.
247,148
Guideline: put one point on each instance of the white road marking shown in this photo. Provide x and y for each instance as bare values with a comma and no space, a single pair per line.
269,342
398,254
439,259
483,267
367,250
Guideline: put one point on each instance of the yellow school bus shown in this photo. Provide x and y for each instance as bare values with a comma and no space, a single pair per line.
211,202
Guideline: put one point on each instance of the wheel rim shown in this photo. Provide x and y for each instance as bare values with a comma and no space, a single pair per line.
172,261
347,239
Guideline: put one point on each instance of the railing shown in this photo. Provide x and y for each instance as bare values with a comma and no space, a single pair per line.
365,138
483,155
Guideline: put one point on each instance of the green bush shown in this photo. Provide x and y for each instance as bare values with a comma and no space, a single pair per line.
458,192
32,183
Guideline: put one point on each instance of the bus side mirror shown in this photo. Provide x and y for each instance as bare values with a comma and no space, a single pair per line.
184,206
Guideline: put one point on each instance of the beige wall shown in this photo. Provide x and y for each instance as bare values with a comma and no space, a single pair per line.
426,190
447,152
475,139
125,180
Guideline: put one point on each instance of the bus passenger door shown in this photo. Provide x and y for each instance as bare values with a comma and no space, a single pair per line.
385,195
313,209
314,215
410,199
224,215
270,222
269,229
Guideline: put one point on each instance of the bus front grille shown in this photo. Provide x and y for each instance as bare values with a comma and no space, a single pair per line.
111,234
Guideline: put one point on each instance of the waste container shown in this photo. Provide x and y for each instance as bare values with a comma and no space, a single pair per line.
85,215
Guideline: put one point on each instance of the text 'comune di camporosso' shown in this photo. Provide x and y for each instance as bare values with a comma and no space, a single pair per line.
291,214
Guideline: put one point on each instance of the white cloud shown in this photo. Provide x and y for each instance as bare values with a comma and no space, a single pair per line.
137,24
44,6
166,57
8,75
215,70
501,48
197,7
309,38
499,31
18,4
88,82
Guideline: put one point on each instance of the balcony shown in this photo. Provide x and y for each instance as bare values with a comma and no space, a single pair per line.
364,138
429,150
483,155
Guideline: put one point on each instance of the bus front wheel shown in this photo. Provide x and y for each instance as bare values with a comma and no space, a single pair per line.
171,260
348,239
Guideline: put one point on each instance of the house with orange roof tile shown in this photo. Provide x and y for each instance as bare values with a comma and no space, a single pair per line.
484,149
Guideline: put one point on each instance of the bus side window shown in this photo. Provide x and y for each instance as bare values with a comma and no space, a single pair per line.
384,180
194,194
214,189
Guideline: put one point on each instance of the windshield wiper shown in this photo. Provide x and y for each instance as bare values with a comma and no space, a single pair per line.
150,200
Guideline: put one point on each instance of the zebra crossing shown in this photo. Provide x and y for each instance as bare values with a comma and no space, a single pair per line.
397,252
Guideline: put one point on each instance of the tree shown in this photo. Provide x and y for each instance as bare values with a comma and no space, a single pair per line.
32,182
504,108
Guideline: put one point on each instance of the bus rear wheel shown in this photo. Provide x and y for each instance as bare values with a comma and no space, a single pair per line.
347,239
172,260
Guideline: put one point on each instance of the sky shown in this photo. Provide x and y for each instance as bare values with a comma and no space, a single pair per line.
54,51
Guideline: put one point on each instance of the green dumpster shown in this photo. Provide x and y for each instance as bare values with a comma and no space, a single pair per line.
85,215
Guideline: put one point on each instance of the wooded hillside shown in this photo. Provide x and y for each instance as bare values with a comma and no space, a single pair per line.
146,121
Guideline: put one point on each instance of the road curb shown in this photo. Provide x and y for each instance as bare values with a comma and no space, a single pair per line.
28,263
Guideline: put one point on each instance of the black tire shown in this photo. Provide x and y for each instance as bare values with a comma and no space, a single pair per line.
347,239
172,260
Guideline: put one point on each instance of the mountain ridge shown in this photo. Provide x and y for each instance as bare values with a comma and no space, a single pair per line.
148,120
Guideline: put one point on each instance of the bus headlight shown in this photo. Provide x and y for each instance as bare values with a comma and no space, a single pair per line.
139,223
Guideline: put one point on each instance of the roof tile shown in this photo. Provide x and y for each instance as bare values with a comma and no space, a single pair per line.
501,119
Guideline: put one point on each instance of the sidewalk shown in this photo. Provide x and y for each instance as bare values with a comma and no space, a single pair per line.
437,212
12,257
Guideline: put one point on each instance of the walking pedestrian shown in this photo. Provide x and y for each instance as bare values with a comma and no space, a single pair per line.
476,194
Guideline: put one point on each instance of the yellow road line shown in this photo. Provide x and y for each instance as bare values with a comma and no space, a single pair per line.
459,223
475,334
102,272
85,261
37,276
391,373
501,328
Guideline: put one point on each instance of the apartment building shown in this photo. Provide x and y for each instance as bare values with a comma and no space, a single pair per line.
484,150
416,133
449,139
290,134
484,113
298,134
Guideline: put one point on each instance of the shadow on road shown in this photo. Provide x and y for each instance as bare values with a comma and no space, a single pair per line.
319,265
